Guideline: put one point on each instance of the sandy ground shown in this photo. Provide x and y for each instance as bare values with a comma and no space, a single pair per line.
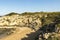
18,34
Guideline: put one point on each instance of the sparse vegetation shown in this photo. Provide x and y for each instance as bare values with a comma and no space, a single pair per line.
47,22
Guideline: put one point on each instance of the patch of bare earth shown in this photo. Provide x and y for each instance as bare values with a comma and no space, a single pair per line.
18,34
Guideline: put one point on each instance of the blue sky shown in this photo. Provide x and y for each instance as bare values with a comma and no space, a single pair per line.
19,6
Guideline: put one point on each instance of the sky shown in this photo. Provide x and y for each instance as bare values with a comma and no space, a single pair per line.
20,6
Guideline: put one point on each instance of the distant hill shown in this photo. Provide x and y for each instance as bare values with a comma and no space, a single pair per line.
12,13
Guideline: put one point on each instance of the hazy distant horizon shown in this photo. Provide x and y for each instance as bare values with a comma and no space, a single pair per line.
20,6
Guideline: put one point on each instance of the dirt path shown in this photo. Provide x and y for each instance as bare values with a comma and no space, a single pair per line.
19,34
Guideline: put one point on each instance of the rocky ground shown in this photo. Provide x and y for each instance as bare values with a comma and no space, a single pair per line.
35,26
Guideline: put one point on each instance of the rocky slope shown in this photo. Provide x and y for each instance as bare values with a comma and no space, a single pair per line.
22,21
45,24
